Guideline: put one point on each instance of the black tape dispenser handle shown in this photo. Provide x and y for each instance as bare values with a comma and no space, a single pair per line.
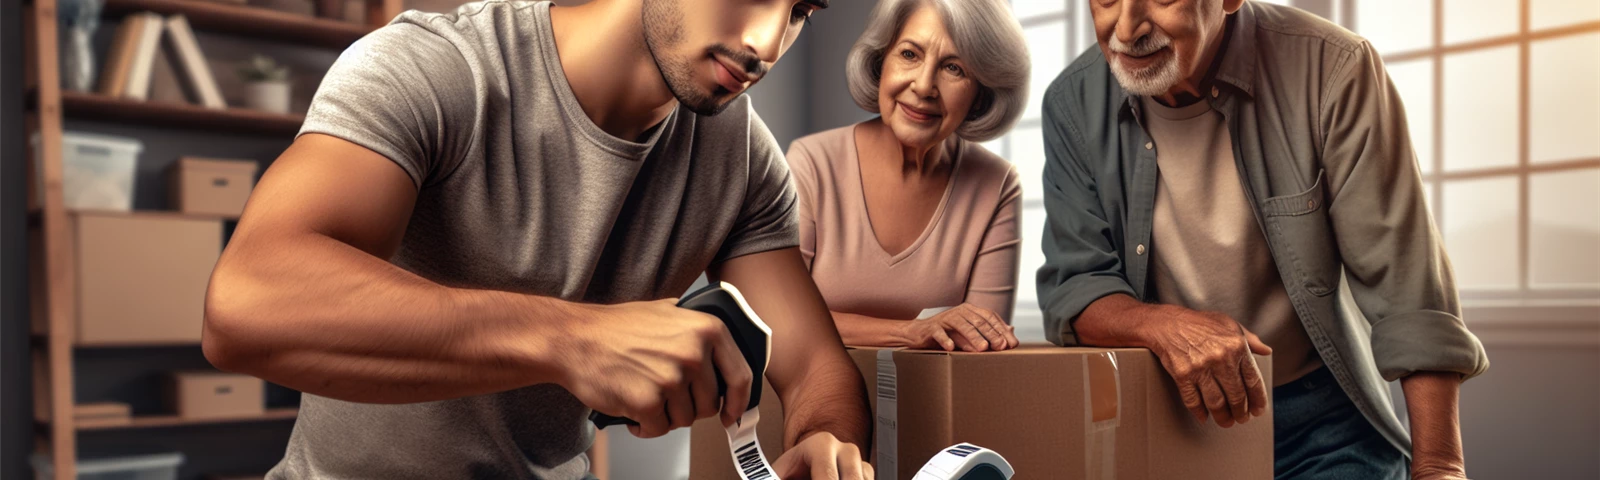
753,337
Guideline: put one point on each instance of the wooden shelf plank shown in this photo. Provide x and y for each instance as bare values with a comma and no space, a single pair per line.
250,21
156,421
99,107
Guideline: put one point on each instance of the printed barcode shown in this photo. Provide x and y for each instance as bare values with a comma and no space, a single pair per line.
886,386
962,450
751,464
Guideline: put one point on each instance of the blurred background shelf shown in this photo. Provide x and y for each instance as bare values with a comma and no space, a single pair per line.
154,421
250,21
99,107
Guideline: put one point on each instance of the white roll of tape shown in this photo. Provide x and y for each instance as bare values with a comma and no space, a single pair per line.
965,461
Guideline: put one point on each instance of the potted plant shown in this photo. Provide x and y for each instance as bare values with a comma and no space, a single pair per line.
266,84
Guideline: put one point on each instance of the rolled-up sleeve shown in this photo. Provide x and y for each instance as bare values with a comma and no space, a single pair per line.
1395,262
1081,262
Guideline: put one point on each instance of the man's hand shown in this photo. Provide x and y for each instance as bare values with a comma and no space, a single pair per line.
820,456
968,327
653,362
1208,355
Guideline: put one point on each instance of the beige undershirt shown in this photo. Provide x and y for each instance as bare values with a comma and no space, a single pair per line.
1207,251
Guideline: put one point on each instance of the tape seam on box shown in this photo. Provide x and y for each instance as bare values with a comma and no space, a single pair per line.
1102,409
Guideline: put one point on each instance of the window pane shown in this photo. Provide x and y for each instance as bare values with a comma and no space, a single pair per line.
1565,98
1396,25
1047,45
1031,8
997,146
1414,81
1554,13
1480,232
1480,109
1032,255
1027,152
1565,229
1466,20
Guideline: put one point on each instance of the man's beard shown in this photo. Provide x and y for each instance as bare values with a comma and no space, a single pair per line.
663,30
1152,80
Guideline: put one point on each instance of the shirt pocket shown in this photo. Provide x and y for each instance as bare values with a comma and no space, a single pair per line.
1298,226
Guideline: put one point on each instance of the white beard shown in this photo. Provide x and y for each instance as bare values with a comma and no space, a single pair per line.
1150,81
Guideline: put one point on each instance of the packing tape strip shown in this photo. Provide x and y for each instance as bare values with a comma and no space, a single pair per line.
888,427
748,458
1102,400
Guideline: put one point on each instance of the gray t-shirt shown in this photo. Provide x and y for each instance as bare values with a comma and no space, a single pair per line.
519,191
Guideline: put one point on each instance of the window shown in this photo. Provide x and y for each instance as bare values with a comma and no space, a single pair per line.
1056,32
1503,102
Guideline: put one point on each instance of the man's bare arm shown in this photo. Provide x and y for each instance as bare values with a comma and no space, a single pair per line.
304,296
1207,353
818,383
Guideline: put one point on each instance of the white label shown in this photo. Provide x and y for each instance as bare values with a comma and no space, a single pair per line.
747,455
888,429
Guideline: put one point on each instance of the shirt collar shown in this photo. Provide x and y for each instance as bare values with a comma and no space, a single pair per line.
1238,67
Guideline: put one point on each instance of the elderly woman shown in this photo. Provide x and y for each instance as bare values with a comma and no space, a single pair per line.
909,226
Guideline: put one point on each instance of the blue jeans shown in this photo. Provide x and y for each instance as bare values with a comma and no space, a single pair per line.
1320,435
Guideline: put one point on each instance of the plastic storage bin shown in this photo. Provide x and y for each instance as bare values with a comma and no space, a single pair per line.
97,171
161,466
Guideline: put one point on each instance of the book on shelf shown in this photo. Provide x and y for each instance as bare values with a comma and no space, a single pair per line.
119,57
193,71
144,54
158,58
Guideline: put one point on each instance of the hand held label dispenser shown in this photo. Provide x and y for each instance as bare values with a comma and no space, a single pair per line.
754,339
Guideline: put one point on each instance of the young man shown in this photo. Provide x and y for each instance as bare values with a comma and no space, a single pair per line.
480,231
1220,175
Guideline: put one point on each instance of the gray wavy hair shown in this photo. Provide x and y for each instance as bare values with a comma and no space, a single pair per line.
991,44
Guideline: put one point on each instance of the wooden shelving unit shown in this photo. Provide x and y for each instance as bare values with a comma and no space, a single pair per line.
251,21
54,299
180,115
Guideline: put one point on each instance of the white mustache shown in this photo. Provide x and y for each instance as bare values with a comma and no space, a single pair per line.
1145,45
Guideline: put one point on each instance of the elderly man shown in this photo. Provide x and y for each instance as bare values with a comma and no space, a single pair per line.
1227,177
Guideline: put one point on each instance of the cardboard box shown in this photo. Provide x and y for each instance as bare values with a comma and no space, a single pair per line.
209,186
1051,412
142,277
210,394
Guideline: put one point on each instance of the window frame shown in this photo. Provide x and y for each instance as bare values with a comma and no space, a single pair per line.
1437,178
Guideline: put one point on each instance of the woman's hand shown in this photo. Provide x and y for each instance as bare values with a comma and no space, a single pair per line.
968,327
